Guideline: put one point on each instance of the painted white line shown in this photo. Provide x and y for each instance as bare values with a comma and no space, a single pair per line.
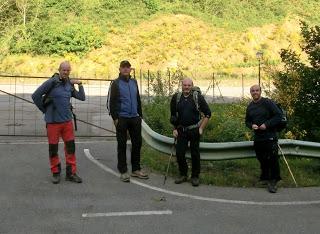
218,200
128,213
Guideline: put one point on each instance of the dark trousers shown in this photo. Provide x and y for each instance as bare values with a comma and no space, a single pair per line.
133,126
182,144
267,154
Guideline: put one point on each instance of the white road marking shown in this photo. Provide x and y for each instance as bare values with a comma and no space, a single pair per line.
128,213
283,203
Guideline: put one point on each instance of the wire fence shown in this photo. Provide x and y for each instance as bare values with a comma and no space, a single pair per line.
20,117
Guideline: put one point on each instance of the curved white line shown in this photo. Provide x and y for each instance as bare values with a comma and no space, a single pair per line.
284,203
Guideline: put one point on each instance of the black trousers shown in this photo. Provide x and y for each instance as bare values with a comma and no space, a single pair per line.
267,154
133,126
182,144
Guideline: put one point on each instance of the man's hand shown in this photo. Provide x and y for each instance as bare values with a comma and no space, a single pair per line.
175,133
200,131
73,81
255,127
115,122
263,127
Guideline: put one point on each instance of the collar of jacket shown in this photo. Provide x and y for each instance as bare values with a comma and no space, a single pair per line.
124,78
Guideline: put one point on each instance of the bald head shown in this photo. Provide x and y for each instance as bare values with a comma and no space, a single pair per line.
255,91
187,85
64,70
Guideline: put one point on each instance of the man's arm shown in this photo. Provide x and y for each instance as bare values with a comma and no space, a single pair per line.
275,114
114,98
204,108
80,95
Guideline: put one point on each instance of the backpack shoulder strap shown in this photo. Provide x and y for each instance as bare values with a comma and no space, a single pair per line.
195,96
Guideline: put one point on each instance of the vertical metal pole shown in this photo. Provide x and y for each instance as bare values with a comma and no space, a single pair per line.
14,106
212,86
259,72
169,76
141,91
148,85
242,84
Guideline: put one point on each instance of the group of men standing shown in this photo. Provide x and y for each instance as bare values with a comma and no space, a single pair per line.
190,114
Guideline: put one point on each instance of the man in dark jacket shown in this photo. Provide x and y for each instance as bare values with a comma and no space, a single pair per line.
186,109
58,117
126,112
262,116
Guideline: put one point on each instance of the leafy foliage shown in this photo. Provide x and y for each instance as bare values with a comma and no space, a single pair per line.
298,86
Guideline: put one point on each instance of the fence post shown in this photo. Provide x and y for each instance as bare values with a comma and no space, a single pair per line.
213,87
140,76
148,85
242,85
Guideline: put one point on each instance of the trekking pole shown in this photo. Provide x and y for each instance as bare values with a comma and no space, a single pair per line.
171,154
284,158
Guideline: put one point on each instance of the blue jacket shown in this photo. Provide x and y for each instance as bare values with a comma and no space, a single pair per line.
59,109
125,99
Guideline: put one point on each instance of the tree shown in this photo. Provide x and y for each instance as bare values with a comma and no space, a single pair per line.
298,85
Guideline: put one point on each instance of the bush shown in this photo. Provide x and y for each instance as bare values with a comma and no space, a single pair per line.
60,39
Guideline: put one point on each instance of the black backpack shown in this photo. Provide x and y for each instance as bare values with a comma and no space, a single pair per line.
284,119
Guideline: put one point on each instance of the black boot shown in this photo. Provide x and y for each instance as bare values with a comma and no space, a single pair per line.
180,179
272,186
56,178
73,178
195,181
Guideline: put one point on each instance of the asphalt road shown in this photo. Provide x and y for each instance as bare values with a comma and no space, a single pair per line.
30,203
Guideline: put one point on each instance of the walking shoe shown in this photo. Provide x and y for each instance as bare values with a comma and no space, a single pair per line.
124,177
272,186
139,174
180,179
73,178
55,178
262,183
195,181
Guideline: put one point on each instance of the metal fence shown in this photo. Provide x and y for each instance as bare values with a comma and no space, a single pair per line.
20,117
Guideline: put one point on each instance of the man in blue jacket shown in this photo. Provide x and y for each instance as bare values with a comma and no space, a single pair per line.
53,99
126,112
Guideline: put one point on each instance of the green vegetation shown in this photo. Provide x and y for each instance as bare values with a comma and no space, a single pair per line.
225,125
193,35
298,87
238,173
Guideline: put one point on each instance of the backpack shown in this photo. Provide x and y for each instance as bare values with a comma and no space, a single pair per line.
284,119
196,91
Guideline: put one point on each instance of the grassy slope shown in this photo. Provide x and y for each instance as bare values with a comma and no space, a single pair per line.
195,38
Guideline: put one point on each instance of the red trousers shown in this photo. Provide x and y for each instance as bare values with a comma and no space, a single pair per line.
65,130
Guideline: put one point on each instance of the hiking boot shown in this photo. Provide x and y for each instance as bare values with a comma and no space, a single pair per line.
262,183
139,174
73,178
124,177
55,178
195,181
180,179
272,186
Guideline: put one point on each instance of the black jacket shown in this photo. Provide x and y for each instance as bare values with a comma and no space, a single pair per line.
265,111
187,111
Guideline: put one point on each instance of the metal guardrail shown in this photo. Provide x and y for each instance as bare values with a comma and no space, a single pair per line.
230,150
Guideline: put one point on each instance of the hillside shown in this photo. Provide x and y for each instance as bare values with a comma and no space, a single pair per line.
195,37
